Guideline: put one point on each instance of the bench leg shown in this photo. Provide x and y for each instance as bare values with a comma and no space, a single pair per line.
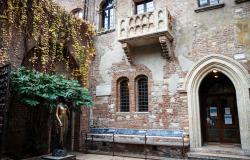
86,142
145,147
113,145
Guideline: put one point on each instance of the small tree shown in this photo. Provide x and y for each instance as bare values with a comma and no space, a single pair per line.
40,91
35,88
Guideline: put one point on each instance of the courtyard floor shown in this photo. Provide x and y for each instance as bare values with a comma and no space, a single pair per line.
81,156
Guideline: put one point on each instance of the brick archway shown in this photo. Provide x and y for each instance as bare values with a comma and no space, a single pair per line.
241,80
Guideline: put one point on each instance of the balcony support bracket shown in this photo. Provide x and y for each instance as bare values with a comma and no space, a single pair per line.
127,49
166,46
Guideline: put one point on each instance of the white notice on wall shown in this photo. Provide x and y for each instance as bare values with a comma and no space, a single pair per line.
213,111
103,90
227,110
228,119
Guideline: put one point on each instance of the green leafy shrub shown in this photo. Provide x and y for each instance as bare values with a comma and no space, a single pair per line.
43,89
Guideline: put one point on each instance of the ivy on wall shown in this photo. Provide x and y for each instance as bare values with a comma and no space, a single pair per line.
53,30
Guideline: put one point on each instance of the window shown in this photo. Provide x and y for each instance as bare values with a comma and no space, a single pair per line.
78,13
107,14
142,94
124,95
203,3
145,6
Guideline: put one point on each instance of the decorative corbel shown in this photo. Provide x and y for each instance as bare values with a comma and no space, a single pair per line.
166,46
127,50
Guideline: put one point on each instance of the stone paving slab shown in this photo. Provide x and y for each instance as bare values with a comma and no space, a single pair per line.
80,156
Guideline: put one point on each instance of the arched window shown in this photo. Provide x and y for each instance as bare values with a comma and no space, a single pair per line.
80,13
108,14
123,95
142,94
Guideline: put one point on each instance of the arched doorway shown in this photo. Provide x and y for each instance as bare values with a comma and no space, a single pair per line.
240,78
218,109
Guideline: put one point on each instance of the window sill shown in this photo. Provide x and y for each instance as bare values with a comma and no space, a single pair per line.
141,112
211,7
105,31
122,112
241,1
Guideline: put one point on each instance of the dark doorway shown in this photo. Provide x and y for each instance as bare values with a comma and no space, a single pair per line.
219,115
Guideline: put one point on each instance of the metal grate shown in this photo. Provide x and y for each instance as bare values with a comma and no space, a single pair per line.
124,96
142,86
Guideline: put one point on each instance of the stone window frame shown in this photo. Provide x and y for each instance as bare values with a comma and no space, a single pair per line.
137,78
100,28
209,6
118,95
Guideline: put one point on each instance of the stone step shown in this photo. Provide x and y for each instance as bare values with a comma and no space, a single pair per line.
215,156
221,149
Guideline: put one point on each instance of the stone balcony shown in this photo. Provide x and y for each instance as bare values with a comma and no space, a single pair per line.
147,29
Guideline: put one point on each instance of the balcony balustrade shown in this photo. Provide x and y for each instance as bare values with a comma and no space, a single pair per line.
147,29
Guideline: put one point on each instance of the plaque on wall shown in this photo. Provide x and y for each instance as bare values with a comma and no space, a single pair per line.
213,112
103,90
227,110
228,119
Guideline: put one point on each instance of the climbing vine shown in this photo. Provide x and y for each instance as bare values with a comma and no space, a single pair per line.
53,30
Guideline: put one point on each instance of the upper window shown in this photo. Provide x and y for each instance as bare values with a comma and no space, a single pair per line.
142,94
144,6
203,3
78,13
124,95
108,14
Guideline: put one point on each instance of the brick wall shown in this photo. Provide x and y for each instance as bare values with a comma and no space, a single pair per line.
218,31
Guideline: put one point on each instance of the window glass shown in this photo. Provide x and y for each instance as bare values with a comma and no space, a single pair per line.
142,90
108,14
203,2
106,19
80,15
213,2
140,8
124,96
207,2
145,6
150,6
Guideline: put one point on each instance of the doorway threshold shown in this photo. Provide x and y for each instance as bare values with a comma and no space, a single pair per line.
221,145
218,151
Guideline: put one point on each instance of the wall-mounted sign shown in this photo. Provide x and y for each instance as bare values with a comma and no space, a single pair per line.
228,119
213,111
103,90
227,110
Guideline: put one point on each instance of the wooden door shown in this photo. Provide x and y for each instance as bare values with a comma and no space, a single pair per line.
220,118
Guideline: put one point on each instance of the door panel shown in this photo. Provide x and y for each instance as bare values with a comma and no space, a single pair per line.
220,119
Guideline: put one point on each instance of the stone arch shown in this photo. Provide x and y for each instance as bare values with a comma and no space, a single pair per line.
241,80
